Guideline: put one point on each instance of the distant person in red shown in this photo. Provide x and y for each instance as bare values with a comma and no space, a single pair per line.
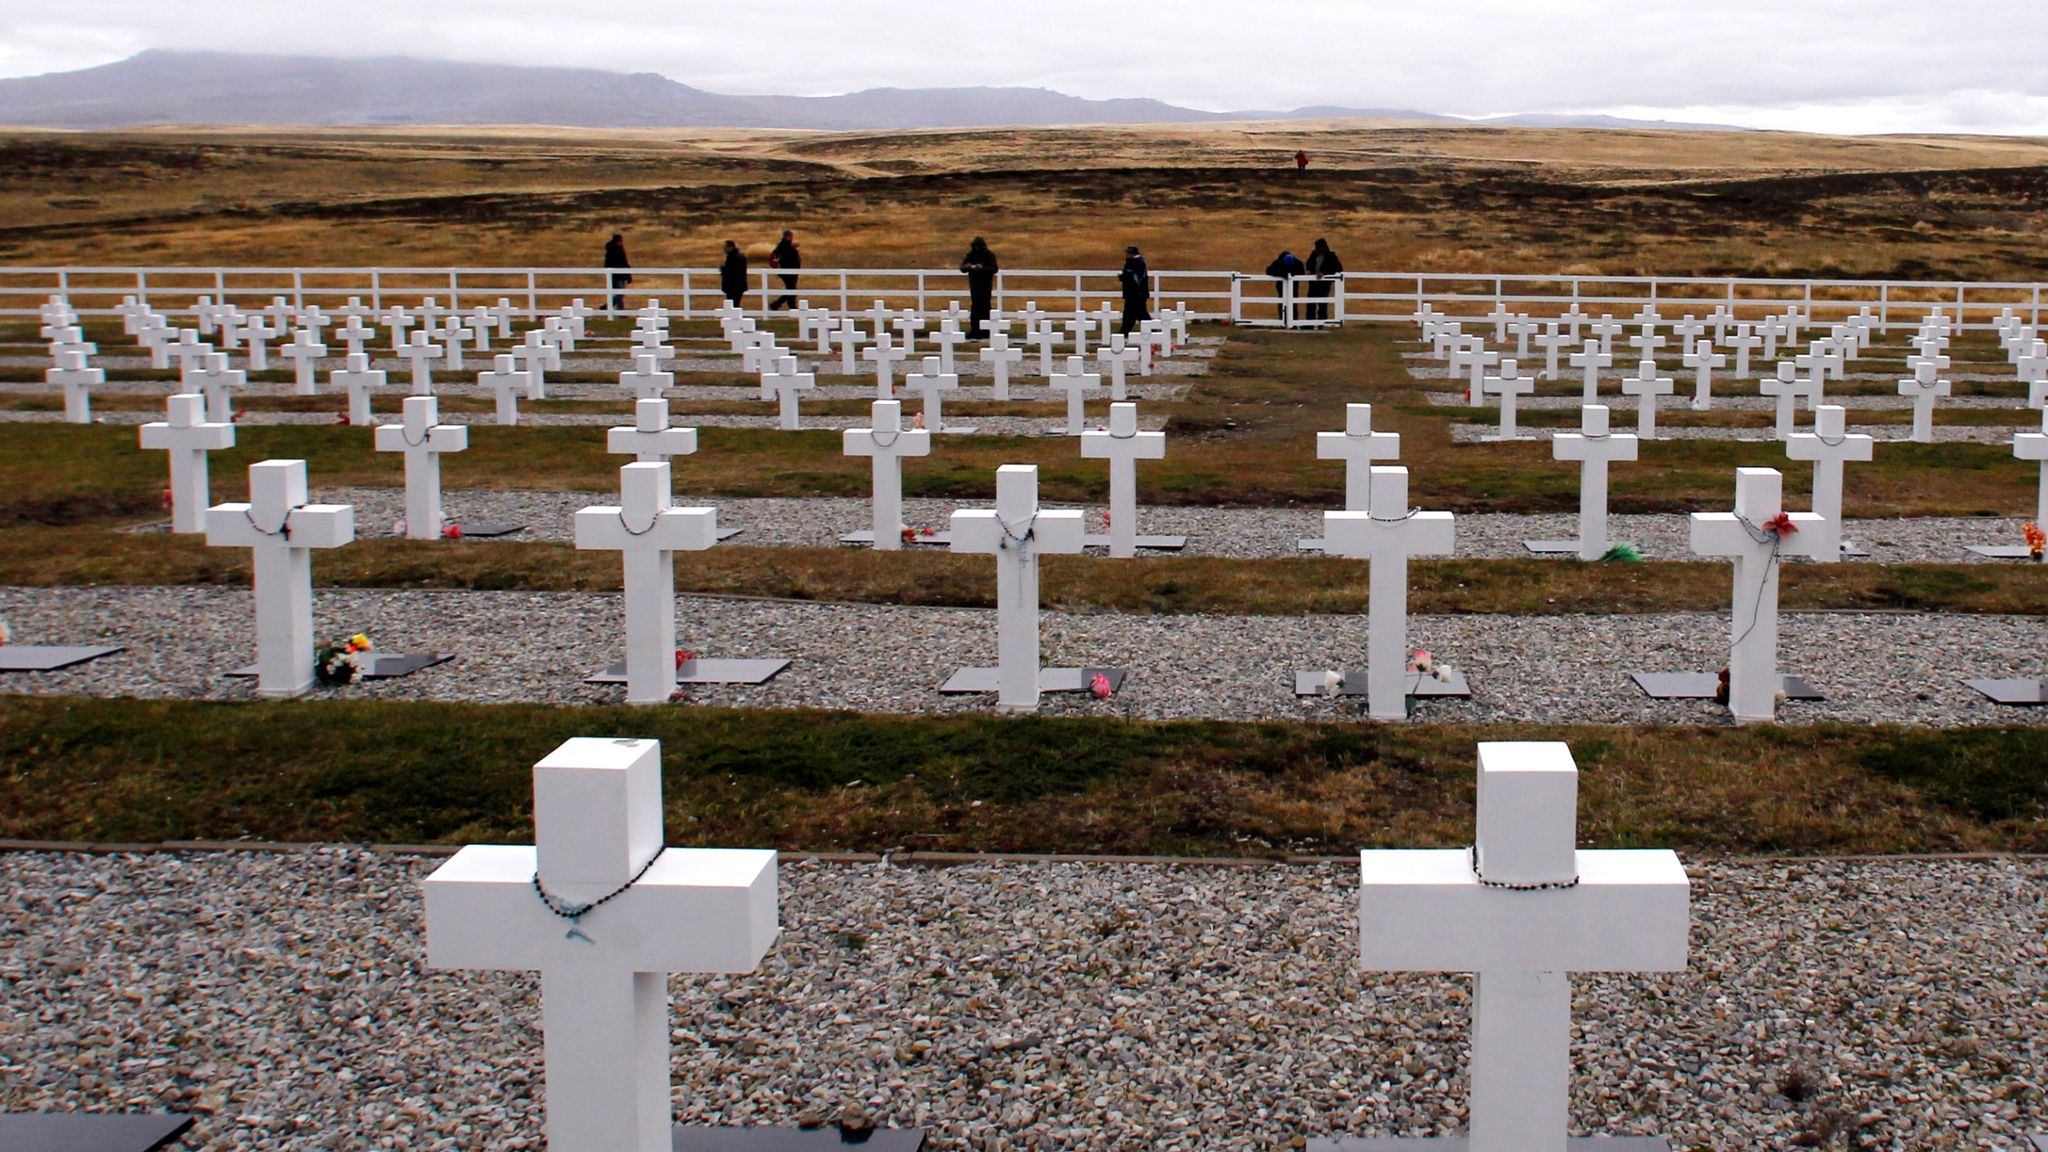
615,257
732,275
1300,161
784,258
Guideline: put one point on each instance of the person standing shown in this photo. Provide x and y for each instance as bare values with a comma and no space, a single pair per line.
1136,282
732,275
1284,268
1300,162
981,267
1322,264
785,258
615,257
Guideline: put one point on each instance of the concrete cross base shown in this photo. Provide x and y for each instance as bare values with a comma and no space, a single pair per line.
1461,1144
1314,682
750,672
867,536
1706,685
1308,545
1552,547
2001,551
1158,543
380,665
701,1138
2038,1143
986,681
957,430
2018,693
88,1132
47,658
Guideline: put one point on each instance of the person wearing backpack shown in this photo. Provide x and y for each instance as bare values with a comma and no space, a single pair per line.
615,257
784,259
1322,264
1284,269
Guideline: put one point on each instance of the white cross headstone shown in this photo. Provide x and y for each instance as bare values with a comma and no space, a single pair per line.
948,338
647,381
1647,343
908,324
597,823
282,530
422,438
1744,341
933,383
1016,533
1646,386
884,354
2034,446
1553,342
505,382
1118,357
1386,535
1510,385
1595,447
359,381
1522,910
1123,446
305,352
452,336
1478,358
1079,328
1076,382
217,381
887,442
650,438
1606,328
536,356
1785,387
1358,446
1829,446
1000,357
396,321
1521,328
1045,339
649,532
1703,360
784,384
421,355
1746,537
1591,360
355,334
78,380
187,436
257,335
849,338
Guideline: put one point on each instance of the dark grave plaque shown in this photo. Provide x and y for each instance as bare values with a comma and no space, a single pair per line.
1552,547
488,531
705,671
2038,1143
376,665
2018,693
2001,551
1460,1144
48,657
88,1132
867,536
1707,685
704,1138
1156,543
1312,681
987,681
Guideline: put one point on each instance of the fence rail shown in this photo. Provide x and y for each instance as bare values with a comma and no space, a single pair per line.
1232,297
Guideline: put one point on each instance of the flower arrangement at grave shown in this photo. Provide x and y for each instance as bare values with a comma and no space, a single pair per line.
684,656
1781,525
1428,665
913,535
1098,687
451,532
1622,554
2037,541
339,661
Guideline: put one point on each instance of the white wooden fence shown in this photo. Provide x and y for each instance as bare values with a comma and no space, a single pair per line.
1233,297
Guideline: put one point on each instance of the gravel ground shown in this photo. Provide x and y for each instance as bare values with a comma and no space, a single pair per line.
981,425
285,1001
1888,433
1903,668
1612,399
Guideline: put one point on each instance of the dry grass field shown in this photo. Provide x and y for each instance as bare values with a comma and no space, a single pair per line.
1213,197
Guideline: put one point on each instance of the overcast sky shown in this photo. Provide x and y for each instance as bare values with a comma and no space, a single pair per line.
1818,65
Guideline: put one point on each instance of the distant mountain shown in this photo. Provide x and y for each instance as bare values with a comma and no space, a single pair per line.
192,88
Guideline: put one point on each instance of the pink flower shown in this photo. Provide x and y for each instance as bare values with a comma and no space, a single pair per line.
1099,687
451,532
684,656
1781,525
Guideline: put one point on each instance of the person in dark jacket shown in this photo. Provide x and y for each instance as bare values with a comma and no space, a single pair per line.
981,268
1285,268
615,257
732,275
1136,282
786,257
1322,264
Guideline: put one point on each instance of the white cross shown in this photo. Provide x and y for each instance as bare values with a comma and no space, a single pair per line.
1123,446
1649,317
452,336
820,323
189,350
187,436
1925,385
647,380
948,337
355,335
1016,533
2034,446
1647,344
536,355
505,382
884,353
1591,360
1385,535
597,822
649,533
1522,910
1118,358
1031,314
358,380
1646,386
1552,342
1743,535
1044,339
1703,360
849,337
758,351
78,380
1785,387
908,324
1571,318
1606,328
1744,341
1358,446
650,438
258,336
1829,446
397,320
282,530
887,443
1076,382
421,354
422,438
1595,447
480,322
784,384
1499,318
1509,385
999,356
1521,327
1078,328
305,352
216,380
933,384
1815,366
1688,329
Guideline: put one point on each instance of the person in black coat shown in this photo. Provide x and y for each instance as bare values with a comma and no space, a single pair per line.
732,275
1136,282
1284,268
981,267
1322,264
615,257
784,258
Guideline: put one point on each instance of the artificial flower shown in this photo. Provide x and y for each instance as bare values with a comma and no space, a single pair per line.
1099,687
451,532
1781,525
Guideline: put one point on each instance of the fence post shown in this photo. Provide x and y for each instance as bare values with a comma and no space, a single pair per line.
842,294
532,295
376,290
454,290
1236,299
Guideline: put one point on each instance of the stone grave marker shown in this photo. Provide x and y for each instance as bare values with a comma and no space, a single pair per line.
1590,360
1123,446
948,338
90,1131
1359,447
1646,386
1553,342
422,438
282,530
1001,360
1076,382
783,384
256,335
1703,360
884,354
216,381
849,339
305,351
505,382
78,379
1595,447
1118,358
1509,385
1744,341
1784,388
421,354
933,382
359,382
886,442
647,381
1829,446
188,436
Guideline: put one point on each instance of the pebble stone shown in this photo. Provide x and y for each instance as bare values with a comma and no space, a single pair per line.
1885,433
283,1000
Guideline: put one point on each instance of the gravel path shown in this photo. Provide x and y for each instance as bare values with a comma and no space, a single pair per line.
1887,433
1902,668
284,999
980,425
1675,405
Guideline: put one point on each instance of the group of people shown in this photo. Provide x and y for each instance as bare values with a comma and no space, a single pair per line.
980,266
1317,270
